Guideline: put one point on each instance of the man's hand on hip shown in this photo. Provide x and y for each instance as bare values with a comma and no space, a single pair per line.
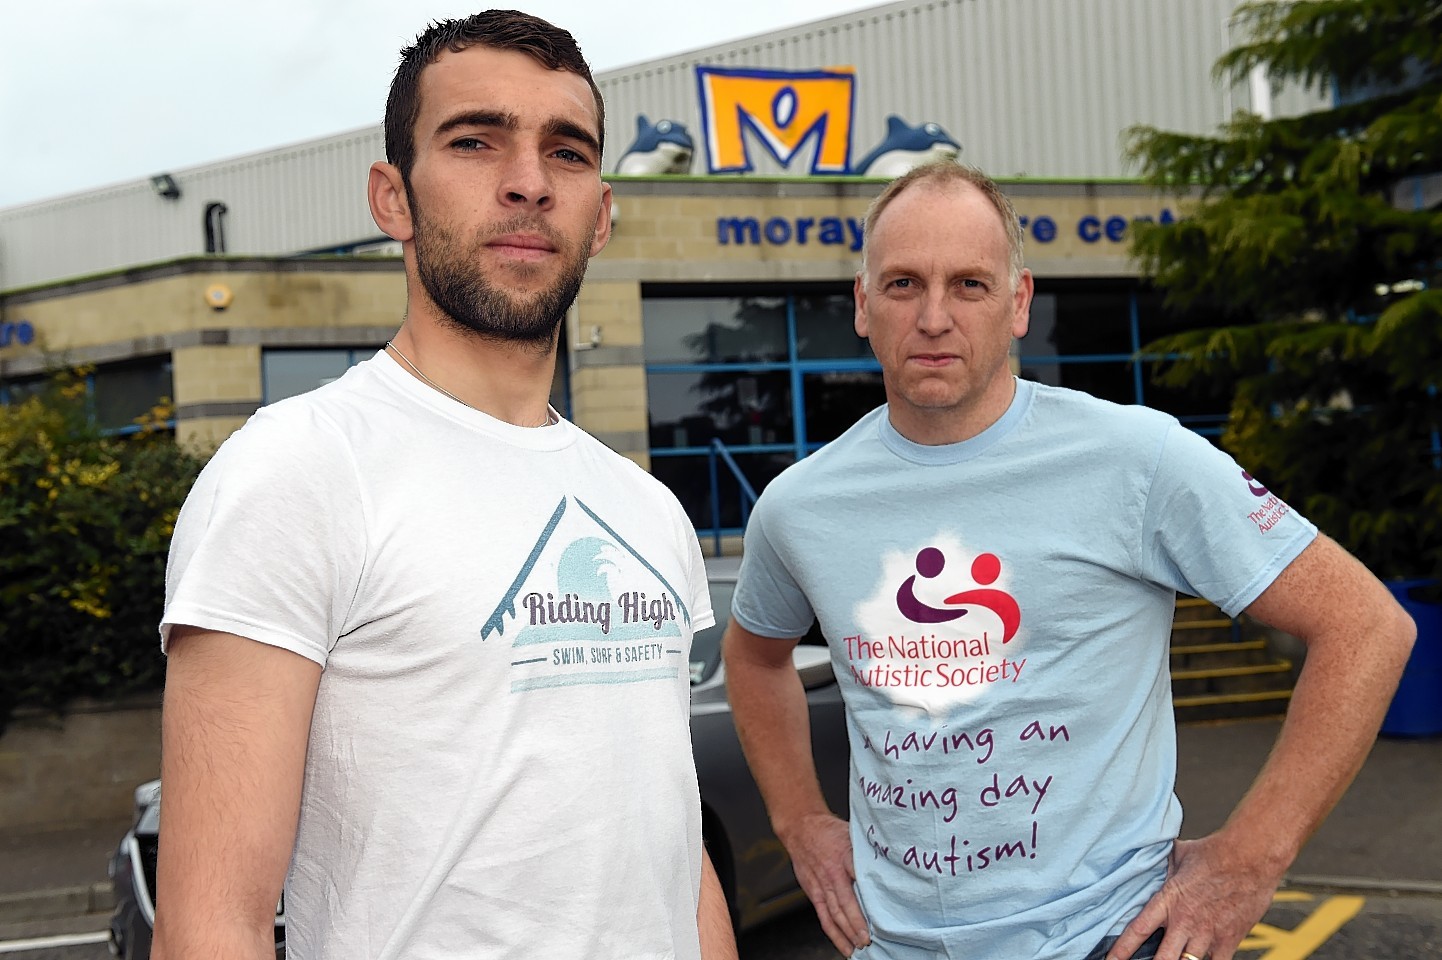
1213,896
820,848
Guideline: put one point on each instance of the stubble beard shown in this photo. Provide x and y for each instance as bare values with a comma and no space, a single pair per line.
450,271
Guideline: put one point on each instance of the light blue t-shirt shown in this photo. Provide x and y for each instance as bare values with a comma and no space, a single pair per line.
999,615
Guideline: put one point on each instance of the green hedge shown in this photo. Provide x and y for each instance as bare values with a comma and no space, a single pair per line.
85,525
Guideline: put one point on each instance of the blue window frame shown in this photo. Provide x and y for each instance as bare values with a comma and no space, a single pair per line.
774,374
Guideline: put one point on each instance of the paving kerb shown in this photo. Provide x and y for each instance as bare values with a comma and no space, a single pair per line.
95,898
57,873
1384,836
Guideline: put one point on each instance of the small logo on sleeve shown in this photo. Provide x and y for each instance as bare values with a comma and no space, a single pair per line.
1271,510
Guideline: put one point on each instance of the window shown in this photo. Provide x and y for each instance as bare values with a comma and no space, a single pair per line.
287,373
117,395
1088,335
121,393
770,373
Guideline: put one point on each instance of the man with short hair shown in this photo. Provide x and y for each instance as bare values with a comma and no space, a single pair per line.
411,673
994,564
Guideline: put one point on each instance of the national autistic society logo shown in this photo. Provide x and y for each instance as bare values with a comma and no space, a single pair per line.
1270,511
985,569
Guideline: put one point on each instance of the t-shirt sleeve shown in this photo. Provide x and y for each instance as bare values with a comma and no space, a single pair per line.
699,590
270,543
768,600
1211,529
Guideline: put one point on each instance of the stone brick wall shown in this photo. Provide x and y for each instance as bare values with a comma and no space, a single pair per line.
80,768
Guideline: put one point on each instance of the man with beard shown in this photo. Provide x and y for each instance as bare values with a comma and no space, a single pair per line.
395,680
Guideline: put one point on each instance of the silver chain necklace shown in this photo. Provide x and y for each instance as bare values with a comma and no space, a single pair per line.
390,345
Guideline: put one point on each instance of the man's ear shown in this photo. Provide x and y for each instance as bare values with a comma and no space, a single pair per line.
603,221
859,321
1021,304
390,205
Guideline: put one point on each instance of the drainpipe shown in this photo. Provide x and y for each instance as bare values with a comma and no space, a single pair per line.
215,227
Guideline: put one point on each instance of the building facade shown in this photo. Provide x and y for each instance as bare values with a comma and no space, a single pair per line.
722,309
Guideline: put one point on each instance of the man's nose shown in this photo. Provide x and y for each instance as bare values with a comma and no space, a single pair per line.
524,182
935,318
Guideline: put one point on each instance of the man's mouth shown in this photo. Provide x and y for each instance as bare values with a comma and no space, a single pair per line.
523,246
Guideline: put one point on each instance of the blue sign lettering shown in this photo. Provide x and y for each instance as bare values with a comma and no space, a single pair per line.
779,231
847,231
22,333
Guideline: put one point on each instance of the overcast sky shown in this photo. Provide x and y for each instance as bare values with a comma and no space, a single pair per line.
95,92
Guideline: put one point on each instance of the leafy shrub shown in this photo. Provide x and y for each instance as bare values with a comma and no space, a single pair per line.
85,525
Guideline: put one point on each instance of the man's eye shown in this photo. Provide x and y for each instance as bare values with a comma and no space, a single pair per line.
572,156
901,283
467,143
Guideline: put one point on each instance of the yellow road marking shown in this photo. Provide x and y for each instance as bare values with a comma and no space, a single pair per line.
1299,942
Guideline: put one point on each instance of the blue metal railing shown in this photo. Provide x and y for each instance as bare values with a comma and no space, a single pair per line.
717,454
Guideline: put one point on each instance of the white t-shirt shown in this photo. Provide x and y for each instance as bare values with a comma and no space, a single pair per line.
999,614
500,761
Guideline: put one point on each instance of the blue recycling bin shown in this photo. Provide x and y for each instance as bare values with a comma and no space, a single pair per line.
1416,709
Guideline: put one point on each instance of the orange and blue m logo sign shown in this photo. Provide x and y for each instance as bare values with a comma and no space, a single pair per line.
782,110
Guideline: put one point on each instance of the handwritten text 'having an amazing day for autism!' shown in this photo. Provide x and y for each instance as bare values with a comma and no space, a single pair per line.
960,844
929,662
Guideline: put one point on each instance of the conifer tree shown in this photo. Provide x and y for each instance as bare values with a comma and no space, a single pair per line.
1312,257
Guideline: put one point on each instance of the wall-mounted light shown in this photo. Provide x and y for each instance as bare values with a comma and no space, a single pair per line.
218,296
592,341
592,336
165,186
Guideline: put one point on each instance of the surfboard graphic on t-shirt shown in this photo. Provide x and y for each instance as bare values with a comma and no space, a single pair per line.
587,608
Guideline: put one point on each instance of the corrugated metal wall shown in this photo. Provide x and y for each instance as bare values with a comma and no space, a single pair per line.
295,199
1030,88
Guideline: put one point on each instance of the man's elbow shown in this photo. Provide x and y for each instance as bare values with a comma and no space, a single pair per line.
1401,634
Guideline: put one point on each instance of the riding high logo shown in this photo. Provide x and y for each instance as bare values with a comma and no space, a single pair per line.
587,608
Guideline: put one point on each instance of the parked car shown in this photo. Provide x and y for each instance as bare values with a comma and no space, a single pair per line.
753,866
132,878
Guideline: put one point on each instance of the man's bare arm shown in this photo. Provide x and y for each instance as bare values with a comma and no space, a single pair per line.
1358,640
234,731
774,725
713,918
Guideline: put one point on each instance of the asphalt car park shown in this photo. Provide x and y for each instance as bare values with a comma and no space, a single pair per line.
1317,924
